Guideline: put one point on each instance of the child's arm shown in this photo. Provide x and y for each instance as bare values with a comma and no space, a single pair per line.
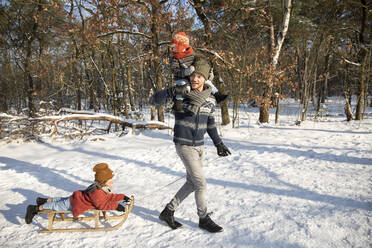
161,97
104,201
182,68
115,197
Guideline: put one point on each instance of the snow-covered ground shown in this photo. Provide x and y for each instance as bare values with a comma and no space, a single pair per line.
283,186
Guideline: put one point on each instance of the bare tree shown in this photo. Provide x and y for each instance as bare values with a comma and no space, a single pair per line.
266,101
363,62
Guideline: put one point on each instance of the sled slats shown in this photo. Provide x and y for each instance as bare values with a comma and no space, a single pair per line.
52,217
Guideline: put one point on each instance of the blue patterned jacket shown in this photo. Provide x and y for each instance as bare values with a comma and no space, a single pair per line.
189,129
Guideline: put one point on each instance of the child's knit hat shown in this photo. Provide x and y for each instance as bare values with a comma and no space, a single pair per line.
181,46
103,172
181,37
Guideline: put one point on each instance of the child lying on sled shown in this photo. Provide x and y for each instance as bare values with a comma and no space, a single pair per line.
97,196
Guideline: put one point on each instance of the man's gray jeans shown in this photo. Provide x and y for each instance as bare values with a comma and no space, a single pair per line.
192,158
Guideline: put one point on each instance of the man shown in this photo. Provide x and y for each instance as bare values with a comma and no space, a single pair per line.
189,129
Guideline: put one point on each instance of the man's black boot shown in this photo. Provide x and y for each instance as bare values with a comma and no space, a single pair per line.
220,97
208,224
31,212
41,201
168,216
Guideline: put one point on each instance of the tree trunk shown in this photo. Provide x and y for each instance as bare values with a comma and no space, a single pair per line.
314,89
305,90
153,113
361,89
266,102
27,64
277,102
237,97
347,108
363,59
324,88
130,87
225,118
114,86
156,61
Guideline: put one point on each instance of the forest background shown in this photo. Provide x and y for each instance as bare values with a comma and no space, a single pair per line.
110,56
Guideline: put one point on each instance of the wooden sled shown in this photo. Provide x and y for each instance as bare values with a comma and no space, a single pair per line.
52,217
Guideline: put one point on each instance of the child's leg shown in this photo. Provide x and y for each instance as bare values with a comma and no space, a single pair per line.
58,204
210,84
179,98
55,199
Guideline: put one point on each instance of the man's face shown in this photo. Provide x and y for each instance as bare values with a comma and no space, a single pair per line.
197,81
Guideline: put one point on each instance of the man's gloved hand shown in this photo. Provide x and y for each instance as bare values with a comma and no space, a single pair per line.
222,150
126,199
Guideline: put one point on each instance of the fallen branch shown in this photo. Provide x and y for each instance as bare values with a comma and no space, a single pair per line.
28,122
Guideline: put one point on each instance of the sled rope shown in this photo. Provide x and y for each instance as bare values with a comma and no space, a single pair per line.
160,188
163,187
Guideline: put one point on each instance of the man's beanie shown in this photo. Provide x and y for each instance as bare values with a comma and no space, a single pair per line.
103,172
182,38
202,67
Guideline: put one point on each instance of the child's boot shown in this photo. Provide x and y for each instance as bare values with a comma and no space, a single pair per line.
32,210
41,201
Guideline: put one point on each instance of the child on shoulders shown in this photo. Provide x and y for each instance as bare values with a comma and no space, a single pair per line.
182,66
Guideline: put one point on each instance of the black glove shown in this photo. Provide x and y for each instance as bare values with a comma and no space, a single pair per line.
222,150
120,208
126,199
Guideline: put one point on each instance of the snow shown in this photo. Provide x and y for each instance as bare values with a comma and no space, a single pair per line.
283,186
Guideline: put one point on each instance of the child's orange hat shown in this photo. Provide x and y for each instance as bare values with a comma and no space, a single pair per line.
103,172
182,38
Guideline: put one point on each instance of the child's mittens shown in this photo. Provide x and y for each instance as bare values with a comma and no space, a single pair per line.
211,75
126,199
120,208
187,71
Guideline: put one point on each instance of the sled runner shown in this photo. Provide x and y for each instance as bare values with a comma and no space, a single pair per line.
52,217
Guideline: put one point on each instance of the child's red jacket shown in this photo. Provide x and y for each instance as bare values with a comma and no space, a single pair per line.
96,199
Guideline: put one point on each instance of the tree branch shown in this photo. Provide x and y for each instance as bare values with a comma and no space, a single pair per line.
124,32
351,62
